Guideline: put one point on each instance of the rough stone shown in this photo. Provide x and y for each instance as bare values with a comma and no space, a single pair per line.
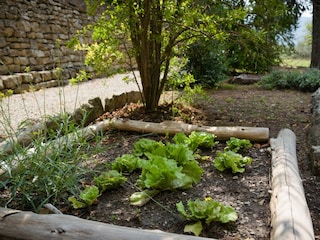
3,42
27,78
45,75
314,133
245,79
87,113
315,159
1,84
11,82
8,31
119,101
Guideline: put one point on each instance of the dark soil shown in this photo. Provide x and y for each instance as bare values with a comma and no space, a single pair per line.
249,193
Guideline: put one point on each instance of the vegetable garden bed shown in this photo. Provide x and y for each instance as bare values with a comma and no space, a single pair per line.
249,193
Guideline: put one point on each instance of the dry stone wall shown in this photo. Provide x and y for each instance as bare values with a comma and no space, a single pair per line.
33,36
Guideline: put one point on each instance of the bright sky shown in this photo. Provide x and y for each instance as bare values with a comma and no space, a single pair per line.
307,14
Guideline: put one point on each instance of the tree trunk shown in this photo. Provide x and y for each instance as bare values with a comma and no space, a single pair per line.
315,53
146,40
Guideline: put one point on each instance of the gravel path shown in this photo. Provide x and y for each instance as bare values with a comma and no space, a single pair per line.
34,105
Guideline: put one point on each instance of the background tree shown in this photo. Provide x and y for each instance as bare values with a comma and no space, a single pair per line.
151,32
315,52
255,51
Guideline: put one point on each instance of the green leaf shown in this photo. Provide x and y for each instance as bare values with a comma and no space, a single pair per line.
109,180
141,198
145,145
193,170
236,144
181,138
207,210
196,140
201,140
179,152
126,163
182,211
228,214
163,174
76,204
89,195
195,228
232,160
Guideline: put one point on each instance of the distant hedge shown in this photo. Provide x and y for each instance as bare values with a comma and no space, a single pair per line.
307,81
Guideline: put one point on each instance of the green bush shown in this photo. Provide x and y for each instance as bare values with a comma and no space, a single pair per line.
206,62
308,81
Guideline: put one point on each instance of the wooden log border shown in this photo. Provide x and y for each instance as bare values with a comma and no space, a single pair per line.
16,224
290,216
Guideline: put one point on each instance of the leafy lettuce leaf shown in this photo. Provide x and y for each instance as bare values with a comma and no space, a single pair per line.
88,196
196,140
235,161
236,144
126,163
207,210
201,140
109,180
141,198
163,174
145,145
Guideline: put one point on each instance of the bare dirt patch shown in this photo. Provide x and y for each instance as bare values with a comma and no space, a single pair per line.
248,193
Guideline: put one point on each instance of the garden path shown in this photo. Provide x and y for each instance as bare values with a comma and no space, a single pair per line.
50,101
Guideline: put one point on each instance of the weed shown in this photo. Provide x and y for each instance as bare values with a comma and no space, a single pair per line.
229,99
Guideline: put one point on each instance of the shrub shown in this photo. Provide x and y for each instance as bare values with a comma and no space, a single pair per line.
308,81
206,62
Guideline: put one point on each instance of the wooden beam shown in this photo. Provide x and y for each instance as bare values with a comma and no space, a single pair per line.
290,216
171,127
16,224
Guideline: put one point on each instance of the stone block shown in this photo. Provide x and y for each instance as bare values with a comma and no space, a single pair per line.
14,68
36,77
8,31
11,81
1,84
3,42
38,53
21,61
315,159
7,60
45,76
25,45
87,113
27,78
48,84
22,88
3,69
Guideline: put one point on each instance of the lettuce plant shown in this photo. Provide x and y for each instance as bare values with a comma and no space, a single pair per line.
109,180
126,163
88,196
145,145
206,211
196,140
165,174
236,144
231,160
